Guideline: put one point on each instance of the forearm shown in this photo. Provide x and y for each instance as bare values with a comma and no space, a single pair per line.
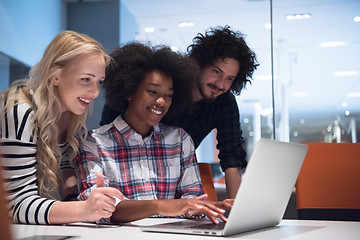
233,181
100,204
67,212
132,210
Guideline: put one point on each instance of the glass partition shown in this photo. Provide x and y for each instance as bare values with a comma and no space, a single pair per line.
316,69
308,49
11,70
177,23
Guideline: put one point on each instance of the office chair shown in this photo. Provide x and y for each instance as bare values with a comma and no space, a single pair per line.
328,186
207,181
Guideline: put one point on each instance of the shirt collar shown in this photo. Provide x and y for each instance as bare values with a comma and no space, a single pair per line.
124,128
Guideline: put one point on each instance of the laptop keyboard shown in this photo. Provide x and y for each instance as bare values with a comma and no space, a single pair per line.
221,225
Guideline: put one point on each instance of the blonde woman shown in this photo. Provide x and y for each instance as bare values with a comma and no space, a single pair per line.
42,125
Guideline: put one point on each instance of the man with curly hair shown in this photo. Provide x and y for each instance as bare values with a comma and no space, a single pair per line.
227,65
153,165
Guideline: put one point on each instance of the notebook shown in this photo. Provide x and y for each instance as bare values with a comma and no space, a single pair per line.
262,197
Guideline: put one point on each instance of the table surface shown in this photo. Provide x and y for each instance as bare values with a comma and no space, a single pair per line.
286,230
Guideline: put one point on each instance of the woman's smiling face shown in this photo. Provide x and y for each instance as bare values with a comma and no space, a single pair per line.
150,102
79,83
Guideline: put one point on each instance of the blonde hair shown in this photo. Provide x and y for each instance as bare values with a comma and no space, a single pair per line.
46,104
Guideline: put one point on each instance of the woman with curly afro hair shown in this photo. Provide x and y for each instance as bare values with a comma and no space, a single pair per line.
226,66
154,165
133,61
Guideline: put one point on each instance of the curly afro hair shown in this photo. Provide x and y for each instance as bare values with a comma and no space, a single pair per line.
131,64
222,42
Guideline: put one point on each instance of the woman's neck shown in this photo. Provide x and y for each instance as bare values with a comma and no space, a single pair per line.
142,128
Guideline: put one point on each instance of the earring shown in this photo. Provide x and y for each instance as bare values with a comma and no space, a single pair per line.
55,82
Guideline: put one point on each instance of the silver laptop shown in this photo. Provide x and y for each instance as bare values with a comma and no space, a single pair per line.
263,195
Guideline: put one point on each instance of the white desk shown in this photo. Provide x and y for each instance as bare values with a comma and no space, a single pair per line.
286,230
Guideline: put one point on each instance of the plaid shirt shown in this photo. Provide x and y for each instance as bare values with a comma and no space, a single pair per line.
160,166
221,114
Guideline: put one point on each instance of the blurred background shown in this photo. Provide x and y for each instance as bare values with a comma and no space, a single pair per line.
306,89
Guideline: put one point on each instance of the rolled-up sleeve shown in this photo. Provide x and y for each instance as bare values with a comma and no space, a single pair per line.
229,134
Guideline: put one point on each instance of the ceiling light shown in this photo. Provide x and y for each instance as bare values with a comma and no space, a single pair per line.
298,16
357,19
347,112
332,44
344,104
345,73
186,24
174,48
149,29
268,25
353,94
299,94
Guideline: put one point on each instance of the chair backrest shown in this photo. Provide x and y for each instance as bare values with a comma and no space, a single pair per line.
328,186
4,214
207,181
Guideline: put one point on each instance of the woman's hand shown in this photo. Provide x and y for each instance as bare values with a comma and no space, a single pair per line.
192,206
101,202
225,204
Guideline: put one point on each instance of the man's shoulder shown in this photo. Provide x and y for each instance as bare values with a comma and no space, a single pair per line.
220,101
227,102
222,104
225,98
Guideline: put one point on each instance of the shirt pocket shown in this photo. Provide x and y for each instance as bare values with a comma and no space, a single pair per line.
172,168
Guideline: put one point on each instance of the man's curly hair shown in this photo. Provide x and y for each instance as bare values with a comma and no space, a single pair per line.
222,42
131,64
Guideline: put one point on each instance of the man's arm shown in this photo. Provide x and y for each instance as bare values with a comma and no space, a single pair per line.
232,155
233,180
